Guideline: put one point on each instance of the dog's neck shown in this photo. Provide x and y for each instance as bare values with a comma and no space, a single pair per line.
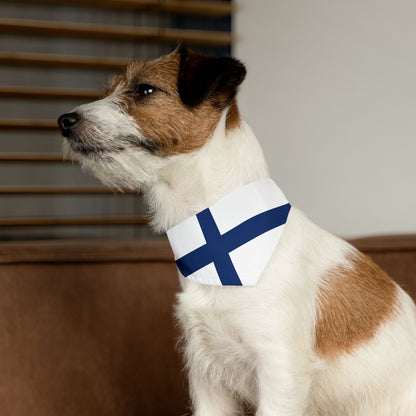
190,183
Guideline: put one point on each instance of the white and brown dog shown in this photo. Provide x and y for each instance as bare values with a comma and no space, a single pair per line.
324,331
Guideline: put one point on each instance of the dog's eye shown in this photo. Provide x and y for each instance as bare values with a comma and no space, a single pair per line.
144,90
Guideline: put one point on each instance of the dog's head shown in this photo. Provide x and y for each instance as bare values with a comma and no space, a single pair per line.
153,111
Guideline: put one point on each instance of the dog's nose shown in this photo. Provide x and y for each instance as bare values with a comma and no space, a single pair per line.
66,122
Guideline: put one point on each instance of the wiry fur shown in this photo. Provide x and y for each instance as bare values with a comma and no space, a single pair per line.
258,344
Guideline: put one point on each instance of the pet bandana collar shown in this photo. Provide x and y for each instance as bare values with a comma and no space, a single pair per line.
231,242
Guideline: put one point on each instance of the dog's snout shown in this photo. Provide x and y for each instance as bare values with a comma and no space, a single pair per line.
66,122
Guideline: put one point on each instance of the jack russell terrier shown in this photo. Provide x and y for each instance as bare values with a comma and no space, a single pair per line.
275,312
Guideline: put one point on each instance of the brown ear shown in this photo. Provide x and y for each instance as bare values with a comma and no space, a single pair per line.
203,77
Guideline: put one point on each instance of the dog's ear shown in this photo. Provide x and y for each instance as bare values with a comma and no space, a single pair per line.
202,77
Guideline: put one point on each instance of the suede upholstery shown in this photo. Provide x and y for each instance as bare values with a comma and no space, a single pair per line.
87,328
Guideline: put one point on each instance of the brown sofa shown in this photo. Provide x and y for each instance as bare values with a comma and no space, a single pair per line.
86,328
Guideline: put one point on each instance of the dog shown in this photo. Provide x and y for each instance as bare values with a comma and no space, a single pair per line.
324,331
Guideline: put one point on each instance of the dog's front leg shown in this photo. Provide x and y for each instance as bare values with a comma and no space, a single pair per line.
283,385
210,400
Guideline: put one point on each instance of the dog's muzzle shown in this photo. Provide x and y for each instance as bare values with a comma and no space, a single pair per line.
66,123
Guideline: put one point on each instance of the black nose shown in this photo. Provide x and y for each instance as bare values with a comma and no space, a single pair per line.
66,122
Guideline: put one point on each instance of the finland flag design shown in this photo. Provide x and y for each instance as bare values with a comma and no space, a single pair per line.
231,242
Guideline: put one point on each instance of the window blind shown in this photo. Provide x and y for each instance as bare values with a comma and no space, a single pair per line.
55,55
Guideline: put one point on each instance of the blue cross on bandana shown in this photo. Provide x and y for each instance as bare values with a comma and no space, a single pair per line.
218,246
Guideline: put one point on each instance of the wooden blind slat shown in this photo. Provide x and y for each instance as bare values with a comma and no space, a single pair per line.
203,8
60,190
61,61
193,7
49,93
76,30
32,157
28,125
65,221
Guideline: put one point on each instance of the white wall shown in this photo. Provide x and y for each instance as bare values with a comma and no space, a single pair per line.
331,95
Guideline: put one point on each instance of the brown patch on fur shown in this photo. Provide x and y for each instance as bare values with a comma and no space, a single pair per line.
354,301
164,120
162,117
233,117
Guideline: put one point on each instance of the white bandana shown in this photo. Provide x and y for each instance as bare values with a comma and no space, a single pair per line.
231,242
